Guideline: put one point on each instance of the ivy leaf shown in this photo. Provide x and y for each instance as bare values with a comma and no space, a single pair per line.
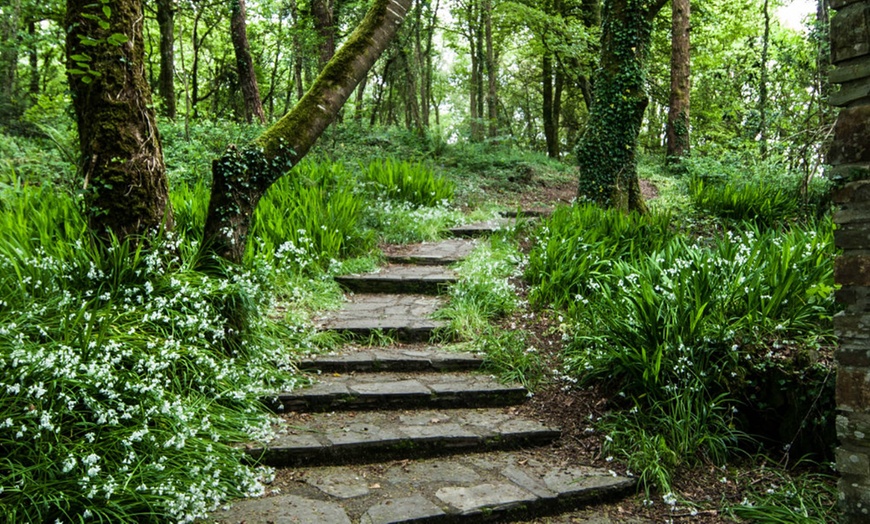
103,24
86,40
82,57
117,38
86,79
107,11
74,71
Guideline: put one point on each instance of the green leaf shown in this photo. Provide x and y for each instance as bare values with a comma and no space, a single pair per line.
103,24
86,40
82,57
74,71
107,11
117,38
86,79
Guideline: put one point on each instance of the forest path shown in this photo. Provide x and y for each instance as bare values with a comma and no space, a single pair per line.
412,432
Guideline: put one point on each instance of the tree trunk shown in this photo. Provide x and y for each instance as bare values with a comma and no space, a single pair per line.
762,89
606,151
127,192
297,51
166,80
241,177
550,130
492,86
10,20
33,57
678,107
324,24
244,63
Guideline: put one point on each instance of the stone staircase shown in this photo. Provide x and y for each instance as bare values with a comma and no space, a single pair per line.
410,433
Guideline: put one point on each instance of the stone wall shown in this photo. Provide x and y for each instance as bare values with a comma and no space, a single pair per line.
849,158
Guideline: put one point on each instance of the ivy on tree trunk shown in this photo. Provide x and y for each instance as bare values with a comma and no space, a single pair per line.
606,153
122,163
241,177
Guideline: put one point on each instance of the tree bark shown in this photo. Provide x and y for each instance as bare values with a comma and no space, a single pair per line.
491,72
324,25
241,177
166,80
244,63
606,151
10,22
678,107
125,178
33,58
550,129
762,88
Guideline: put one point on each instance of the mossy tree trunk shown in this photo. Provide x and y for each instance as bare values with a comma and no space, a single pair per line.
166,80
241,177
678,107
122,163
244,63
607,150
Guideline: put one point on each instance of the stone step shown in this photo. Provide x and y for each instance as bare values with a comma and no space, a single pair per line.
420,358
395,278
494,485
442,253
479,229
369,436
398,390
406,317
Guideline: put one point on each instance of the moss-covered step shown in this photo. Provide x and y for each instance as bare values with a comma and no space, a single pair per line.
354,437
404,317
393,358
487,227
441,253
497,485
401,390
400,278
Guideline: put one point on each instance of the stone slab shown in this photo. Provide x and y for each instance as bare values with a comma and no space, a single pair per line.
479,229
409,509
393,359
445,252
408,317
394,278
339,486
398,390
285,509
368,436
482,498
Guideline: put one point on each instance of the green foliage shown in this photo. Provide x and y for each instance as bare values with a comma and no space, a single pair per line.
677,325
407,182
315,215
122,388
762,192
578,243
786,497
510,356
484,291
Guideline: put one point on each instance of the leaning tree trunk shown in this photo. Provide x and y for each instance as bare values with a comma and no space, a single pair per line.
125,179
244,63
678,108
606,151
241,177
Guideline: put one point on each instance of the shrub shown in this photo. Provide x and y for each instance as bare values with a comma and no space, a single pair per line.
408,182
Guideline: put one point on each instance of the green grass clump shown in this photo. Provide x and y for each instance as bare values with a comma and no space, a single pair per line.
510,356
408,182
122,385
578,243
677,325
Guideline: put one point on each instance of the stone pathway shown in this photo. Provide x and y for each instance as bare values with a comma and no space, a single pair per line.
410,433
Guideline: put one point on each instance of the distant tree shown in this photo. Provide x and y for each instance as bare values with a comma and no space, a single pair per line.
166,80
606,151
678,107
245,64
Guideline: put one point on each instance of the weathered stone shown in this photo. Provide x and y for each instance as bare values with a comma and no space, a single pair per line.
854,499
523,479
484,228
393,359
400,279
360,435
339,486
850,145
843,173
853,389
853,192
574,481
851,462
852,270
407,317
839,4
850,32
485,498
850,72
285,509
401,388
850,92
854,429
853,353
445,252
437,472
852,326
409,509
853,236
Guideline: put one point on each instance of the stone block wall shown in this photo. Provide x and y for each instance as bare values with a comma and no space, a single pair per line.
849,158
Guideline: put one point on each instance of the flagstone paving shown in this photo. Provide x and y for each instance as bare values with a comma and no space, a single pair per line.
407,434
430,279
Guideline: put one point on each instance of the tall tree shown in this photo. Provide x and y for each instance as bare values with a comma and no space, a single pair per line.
491,72
244,63
241,177
678,107
122,163
166,80
606,151
10,22
324,23
765,75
